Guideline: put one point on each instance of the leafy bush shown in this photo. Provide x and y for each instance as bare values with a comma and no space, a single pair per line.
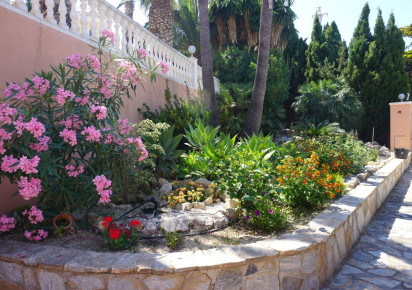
310,130
330,100
306,183
176,111
341,152
61,136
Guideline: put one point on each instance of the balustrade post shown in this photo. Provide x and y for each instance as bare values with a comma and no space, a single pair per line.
62,12
73,17
35,9
93,25
132,37
117,19
109,20
50,13
102,14
125,36
20,4
195,74
83,18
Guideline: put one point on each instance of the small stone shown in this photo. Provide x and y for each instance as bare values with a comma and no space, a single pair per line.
223,196
165,189
162,282
186,206
162,182
362,176
216,200
382,272
200,223
264,281
251,269
119,283
86,282
232,214
29,280
220,220
208,201
176,224
199,205
349,270
10,272
229,279
232,203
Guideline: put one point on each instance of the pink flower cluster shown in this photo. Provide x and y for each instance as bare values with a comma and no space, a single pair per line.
6,114
20,93
92,133
69,136
94,61
62,95
41,84
108,34
29,188
36,235
129,73
105,87
139,145
142,52
103,188
76,61
35,127
100,111
9,164
35,215
43,144
72,122
124,126
163,66
4,135
6,223
72,171
29,165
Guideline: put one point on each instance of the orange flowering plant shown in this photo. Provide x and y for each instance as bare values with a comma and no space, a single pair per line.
120,236
306,183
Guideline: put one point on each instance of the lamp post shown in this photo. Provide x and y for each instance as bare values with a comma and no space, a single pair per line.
401,97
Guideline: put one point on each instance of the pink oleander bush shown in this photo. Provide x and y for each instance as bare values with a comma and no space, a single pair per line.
61,138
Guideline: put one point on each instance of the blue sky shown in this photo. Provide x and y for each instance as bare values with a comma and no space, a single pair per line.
346,14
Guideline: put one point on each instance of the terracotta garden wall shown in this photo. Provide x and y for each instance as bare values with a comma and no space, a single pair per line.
302,260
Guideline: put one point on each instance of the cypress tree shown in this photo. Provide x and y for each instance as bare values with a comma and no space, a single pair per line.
356,71
342,57
315,53
331,46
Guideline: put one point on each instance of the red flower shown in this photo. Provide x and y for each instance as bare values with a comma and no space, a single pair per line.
108,219
114,234
104,224
135,223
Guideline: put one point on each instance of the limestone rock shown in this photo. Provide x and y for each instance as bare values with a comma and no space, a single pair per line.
232,214
362,176
162,182
177,224
384,152
186,206
204,182
202,223
199,205
150,228
223,196
208,201
232,203
220,220
165,189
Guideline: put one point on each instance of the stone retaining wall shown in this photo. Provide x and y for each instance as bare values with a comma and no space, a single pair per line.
302,260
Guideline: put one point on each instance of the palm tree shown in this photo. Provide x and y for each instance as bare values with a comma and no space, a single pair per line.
160,16
254,113
207,68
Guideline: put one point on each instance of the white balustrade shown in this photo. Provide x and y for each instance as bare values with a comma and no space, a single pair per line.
90,17
62,14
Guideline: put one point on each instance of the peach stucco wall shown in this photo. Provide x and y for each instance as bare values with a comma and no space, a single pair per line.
27,45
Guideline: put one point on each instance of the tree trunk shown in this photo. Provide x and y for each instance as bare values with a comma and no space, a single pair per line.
254,113
129,8
207,69
161,20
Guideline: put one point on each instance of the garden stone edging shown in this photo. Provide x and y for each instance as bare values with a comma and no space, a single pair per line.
304,259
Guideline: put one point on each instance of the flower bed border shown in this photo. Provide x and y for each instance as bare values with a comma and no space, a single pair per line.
301,260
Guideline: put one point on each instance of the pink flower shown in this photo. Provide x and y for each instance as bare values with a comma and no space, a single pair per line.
11,89
2,149
100,111
36,128
43,144
144,155
92,133
62,95
109,139
29,165
103,188
36,235
142,52
10,164
105,87
76,61
95,62
69,136
71,170
108,34
4,135
29,188
124,126
164,66
6,223
129,73
20,93
19,125
72,122
35,215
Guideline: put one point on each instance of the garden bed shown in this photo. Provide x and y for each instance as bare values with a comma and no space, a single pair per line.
303,259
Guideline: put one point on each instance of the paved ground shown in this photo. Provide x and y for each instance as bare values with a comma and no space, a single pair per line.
383,257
